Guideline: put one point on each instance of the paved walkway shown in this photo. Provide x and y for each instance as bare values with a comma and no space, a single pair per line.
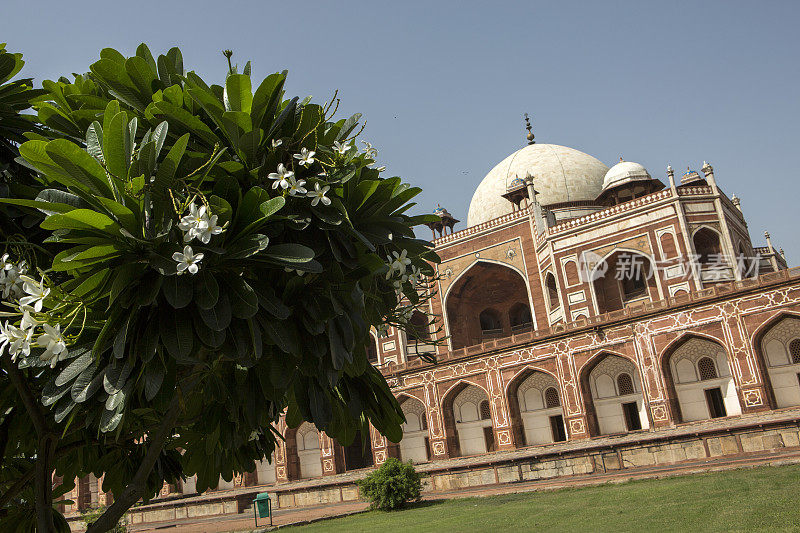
244,522
284,517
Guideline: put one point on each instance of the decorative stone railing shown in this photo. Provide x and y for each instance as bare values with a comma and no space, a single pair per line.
478,228
603,320
610,212
697,190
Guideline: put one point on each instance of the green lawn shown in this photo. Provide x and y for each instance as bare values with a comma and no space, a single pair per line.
750,499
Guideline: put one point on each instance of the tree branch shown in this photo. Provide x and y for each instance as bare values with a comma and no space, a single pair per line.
16,487
33,407
138,485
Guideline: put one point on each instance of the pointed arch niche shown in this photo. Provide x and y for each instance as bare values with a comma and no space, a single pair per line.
307,451
415,445
612,392
702,380
483,302
536,412
467,420
622,278
780,350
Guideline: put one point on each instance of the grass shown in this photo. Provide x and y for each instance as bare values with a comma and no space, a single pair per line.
739,500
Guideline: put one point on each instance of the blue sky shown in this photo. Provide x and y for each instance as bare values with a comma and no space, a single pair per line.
443,85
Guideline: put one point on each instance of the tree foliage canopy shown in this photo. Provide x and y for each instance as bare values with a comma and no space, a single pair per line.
215,255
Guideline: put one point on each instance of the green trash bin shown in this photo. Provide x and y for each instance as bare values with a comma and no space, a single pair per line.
262,507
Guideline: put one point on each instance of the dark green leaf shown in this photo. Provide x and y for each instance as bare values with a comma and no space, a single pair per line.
177,290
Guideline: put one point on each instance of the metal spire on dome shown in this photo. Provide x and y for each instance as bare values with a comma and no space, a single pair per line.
528,127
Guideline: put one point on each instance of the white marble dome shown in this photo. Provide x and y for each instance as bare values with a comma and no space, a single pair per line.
624,172
560,175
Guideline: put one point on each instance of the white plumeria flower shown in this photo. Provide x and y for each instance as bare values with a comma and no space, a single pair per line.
4,339
36,293
369,151
296,187
381,169
398,264
27,322
405,314
416,275
55,347
10,282
187,260
318,195
16,339
397,284
341,148
195,221
282,177
306,157
13,285
276,143
205,233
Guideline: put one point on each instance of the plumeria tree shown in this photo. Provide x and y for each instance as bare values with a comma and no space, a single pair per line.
215,257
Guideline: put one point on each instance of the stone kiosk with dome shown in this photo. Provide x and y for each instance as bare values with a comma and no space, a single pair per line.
596,318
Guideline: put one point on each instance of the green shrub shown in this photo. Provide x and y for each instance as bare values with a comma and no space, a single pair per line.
392,485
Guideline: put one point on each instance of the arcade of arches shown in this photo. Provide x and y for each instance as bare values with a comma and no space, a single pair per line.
696,372
699,379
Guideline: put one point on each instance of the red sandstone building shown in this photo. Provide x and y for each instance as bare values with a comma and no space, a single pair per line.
596,318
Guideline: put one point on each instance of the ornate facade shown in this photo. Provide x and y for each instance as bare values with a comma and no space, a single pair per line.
580,301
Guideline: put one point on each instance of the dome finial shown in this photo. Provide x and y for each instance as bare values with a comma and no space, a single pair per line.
528,127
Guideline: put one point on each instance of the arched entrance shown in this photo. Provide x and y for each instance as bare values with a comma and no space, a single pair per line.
468,420
308,451
472,419
702,380
479,303
707,246
536,409
780,350
415,444
622,278
359,453
612,389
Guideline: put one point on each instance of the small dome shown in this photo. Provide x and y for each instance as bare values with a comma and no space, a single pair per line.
515,184
561,175
624,172
690,176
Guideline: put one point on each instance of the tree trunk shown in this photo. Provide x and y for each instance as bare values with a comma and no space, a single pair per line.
43,483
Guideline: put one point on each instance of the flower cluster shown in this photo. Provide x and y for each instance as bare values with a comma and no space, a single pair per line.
399,272
18,339
285,179
199,224
372,153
